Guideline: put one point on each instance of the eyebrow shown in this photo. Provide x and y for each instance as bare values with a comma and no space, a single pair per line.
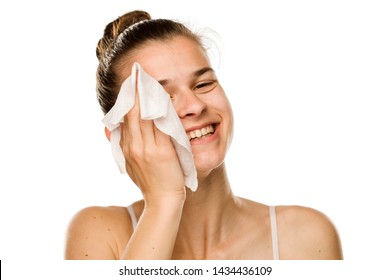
195,74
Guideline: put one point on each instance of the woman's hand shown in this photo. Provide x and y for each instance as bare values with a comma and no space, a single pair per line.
151,160
152,163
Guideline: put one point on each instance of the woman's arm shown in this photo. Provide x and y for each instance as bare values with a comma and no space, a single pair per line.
156,231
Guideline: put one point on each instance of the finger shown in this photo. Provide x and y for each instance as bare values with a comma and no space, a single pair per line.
162,139
131,137
132,118
147,128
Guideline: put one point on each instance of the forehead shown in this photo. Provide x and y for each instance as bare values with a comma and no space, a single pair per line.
168,59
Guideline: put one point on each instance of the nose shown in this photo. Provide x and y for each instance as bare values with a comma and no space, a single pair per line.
188,104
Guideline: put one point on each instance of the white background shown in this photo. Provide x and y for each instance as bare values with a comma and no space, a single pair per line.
309,86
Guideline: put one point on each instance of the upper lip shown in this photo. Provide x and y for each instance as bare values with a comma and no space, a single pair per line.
192,128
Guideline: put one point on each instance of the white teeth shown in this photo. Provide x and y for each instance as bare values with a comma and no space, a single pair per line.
200,132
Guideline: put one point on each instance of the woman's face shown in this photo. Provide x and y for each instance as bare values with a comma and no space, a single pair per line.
183,69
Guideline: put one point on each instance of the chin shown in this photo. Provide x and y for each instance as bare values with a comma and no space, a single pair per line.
206,163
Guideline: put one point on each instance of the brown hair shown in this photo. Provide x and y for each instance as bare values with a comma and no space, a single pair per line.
128,33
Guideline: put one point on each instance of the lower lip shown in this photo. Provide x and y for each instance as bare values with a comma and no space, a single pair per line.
207,139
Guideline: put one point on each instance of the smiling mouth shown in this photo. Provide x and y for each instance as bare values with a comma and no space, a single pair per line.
201,133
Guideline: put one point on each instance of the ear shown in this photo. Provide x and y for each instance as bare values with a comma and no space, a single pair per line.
108,133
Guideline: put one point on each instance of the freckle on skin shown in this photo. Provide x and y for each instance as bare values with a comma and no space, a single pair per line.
109,229
86,255
94,217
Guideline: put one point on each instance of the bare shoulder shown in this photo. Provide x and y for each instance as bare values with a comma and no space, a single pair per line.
94,233
306,233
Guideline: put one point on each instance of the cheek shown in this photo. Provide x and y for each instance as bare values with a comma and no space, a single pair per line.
222,105
219,101
226,112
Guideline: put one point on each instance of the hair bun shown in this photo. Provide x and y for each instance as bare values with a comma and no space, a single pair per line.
114,28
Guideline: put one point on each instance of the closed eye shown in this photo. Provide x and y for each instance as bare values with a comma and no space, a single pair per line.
206,86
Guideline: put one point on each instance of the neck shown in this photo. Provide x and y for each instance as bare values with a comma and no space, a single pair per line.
207,215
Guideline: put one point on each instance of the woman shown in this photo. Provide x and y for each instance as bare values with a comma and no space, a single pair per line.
172,222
